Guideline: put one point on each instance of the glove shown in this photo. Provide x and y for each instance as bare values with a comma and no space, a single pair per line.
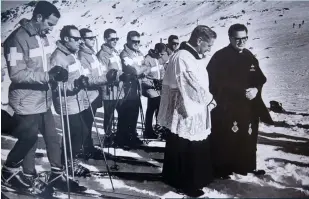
111,76
141,76
157,84
125,77
82,82
58,74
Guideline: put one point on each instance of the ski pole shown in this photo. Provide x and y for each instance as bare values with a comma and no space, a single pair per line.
69,131
101,143
64,139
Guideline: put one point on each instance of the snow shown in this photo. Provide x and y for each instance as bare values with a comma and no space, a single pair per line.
283,149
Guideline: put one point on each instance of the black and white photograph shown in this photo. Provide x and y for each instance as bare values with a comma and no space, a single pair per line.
137,99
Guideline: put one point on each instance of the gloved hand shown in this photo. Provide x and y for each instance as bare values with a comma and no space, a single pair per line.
58,74
157,84
125,77
111,76
82,82
141,76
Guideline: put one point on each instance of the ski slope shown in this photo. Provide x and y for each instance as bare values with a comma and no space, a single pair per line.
283,149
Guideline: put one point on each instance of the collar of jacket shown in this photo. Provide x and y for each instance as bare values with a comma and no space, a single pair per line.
108,49
131,52
236,51
87,50
28,26
185,46
63,48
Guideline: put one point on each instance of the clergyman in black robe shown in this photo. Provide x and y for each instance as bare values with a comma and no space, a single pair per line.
236,81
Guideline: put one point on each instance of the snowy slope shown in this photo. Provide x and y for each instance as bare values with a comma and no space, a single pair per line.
281,49
283,149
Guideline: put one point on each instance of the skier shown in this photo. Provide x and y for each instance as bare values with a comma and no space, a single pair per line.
109,57
151,86
172,44
27,51
96,72
65,56
133,67
236,81
171,47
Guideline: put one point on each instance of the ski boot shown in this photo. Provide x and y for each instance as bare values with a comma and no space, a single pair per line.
79,170
58,180
31,184
14,178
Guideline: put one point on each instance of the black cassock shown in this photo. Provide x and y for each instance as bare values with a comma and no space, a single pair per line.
235,120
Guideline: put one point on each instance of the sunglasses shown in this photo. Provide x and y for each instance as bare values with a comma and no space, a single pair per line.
240,39
113,39
136,41
90,38
175,43
75,38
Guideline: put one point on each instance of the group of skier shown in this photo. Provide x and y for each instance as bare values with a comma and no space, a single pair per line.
210,117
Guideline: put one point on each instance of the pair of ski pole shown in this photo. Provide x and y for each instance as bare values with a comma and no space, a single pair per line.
69,135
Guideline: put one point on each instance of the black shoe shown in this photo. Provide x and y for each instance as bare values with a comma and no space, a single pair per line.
96,154
135,141
258,172
79,170
58,181
14,178
150,135
93,153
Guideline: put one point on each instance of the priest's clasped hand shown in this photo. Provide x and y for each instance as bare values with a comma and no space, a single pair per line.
251,93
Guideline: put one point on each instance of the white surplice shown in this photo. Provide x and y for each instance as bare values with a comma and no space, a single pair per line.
185,99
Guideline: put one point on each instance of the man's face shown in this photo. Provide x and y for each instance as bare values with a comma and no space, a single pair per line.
134,43
239,40
46,25
204,46
174,44
89,40
112,39
73,41
161,54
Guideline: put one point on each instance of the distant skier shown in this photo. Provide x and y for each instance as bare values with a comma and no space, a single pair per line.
275,22
236,81
293,25
299,25
303,22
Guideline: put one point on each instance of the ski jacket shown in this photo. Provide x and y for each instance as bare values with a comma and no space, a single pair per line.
27,56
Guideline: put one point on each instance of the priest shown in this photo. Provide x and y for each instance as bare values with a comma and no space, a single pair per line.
236,81
185,111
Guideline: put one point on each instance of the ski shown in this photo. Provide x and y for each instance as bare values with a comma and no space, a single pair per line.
130,175
26,194
8,192
132,161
